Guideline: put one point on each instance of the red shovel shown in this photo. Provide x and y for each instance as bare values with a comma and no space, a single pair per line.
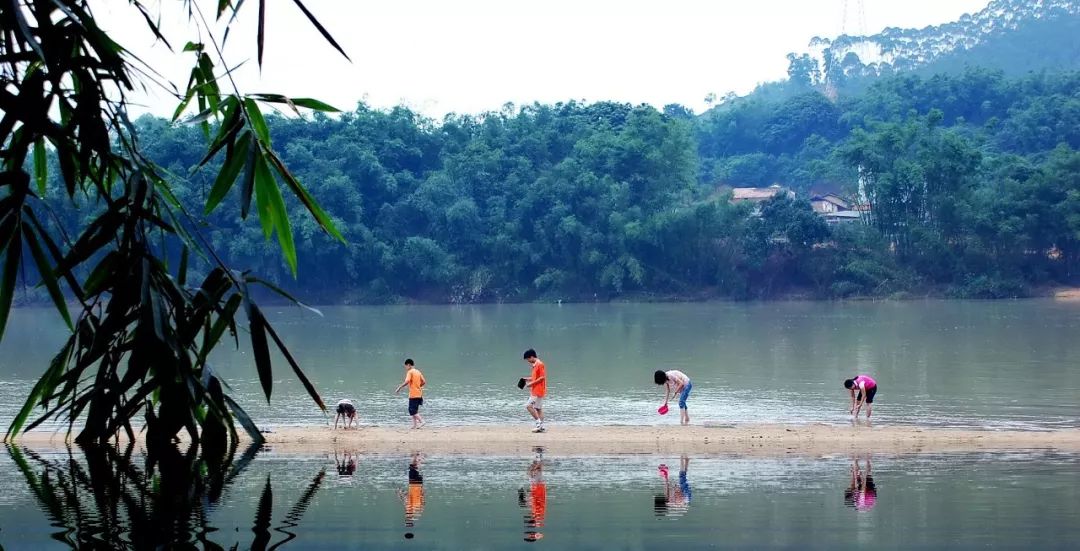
662,410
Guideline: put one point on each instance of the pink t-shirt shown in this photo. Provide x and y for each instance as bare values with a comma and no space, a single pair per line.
866,499
865,382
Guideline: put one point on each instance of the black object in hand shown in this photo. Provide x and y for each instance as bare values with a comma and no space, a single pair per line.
521,382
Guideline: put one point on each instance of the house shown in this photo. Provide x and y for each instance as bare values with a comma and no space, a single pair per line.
828,203
758,194
836,209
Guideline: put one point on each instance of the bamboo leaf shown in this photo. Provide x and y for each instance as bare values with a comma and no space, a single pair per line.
264,183
245,420
322,30
249,183
45,270
259,347
43,387
181,272
41,166
234,161
262,30
308,201
7,279
316,105
310,388
258,123
275,204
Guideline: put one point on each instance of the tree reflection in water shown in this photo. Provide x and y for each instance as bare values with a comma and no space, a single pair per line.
110,497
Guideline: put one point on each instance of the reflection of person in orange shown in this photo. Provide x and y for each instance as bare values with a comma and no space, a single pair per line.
414,497
536,503
861,494
346,465
675,500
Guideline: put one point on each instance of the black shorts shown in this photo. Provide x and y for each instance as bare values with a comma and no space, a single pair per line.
870,392
346,409
414,405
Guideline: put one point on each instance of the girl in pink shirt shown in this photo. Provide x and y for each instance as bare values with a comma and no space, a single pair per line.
866,388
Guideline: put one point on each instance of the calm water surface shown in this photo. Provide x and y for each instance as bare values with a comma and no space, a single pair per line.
953,363
349,501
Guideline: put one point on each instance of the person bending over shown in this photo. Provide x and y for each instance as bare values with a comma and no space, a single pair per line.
676,383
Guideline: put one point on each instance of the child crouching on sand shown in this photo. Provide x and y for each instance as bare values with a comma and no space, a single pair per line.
676,383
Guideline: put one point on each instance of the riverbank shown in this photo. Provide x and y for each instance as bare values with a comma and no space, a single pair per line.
601,440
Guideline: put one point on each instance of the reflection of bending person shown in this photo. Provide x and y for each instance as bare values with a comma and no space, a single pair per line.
861,494
346,466
675,500
414,497
536,503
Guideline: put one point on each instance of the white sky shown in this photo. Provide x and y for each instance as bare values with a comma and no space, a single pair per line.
469,56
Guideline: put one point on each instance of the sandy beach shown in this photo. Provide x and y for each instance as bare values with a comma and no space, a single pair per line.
587,440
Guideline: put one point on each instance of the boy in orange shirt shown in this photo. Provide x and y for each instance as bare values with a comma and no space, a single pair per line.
415,381
537,384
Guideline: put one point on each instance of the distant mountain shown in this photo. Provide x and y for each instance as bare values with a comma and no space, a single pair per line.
1015,36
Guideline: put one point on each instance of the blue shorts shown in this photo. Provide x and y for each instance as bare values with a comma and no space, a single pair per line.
684,395
414,405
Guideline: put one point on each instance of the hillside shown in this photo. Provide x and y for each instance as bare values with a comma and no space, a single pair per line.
1015,36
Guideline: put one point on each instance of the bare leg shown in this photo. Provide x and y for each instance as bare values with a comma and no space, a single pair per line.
869,409
336,417
685,416
533,411
540,416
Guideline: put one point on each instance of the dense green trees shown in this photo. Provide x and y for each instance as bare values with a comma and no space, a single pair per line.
972,182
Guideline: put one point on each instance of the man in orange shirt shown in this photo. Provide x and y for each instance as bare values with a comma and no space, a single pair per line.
537,384
415,381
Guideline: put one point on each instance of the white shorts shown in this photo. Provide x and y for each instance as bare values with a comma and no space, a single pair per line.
535,401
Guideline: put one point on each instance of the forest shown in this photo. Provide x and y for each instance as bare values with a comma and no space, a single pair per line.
971,184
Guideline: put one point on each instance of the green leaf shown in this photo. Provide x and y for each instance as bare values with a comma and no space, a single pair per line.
322,30
249,183
181,272
264,186
194,46
281,223
258,123
245,420
316,105
308,201
261,39
45,270
7,281
259,347
234,161
310,388
43,387
41,166
225,319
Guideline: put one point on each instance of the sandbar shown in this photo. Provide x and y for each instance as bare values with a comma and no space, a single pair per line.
768,440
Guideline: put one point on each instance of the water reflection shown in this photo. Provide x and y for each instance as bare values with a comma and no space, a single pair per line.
346,464
861,493
534,502
413,497
675,501
101,497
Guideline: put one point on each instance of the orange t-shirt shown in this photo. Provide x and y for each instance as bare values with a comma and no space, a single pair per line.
414,501
539,502
538,370
416,381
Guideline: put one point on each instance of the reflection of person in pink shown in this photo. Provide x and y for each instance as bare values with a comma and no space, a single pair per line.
862,493
862,388
675,500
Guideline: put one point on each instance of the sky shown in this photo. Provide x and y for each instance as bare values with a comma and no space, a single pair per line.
471,56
